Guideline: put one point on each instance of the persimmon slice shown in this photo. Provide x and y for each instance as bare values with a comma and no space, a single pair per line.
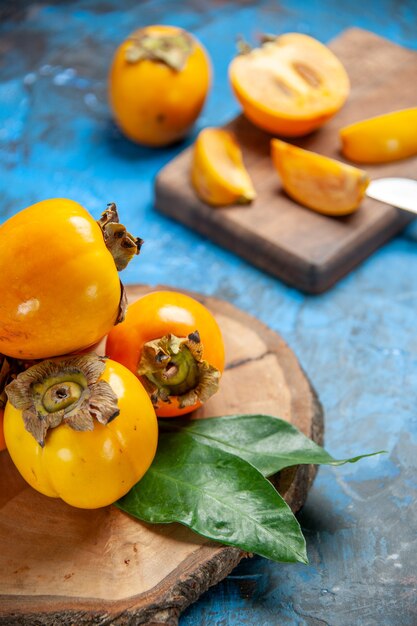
318,182
218,173
381,139
289,86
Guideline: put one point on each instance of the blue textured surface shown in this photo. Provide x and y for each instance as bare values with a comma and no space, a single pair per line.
357,342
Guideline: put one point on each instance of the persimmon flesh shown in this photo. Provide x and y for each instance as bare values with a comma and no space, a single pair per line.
218,173
289,86
318,182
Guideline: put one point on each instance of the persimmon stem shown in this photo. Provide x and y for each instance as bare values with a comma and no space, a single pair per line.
173,367
179,375
61,395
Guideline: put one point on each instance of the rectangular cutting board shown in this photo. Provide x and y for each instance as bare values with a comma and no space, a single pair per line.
303,248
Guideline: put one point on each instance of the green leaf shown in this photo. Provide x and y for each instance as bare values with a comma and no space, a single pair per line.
219,496
269,443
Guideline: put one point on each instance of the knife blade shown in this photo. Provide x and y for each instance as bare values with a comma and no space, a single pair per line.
398,192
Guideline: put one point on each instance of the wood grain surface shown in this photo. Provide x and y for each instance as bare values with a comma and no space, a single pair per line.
303,248
61,565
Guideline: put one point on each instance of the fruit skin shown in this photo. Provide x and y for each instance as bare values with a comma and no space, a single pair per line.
2,440
381,139
218,173
154,104
59,284
155,315
94,468
290,86
318,182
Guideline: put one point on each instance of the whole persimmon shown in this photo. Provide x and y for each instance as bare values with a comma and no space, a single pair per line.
59,281
80,428
174,345
158,83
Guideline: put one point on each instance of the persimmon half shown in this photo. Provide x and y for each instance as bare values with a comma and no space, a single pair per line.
158,83
174,345
289,86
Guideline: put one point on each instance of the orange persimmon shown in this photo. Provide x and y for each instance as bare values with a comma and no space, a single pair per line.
59,284
158,83
318,182
175,346
289,86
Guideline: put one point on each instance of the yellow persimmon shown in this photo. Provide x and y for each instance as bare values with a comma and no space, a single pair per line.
318,182
381,139
289,86
158,83
60,289
82,429
218,173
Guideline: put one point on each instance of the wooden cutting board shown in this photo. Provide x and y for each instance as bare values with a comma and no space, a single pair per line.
61,565
303,248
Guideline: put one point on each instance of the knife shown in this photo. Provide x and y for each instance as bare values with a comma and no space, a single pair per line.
398,192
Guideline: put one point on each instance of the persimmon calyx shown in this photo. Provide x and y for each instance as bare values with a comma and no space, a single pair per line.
171,49
4,379
122,245
121,314
9,368
173,366
63,391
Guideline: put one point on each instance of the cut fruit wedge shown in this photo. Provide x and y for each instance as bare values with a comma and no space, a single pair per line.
289,86
318,182
381,139
218,173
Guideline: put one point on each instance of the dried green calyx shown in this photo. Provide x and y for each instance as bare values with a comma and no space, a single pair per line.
122,245
173,366
63,391
173,49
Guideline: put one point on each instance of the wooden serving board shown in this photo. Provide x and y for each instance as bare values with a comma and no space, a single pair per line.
61,565
303,248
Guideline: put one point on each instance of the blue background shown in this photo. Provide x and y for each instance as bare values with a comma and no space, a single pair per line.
357,342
